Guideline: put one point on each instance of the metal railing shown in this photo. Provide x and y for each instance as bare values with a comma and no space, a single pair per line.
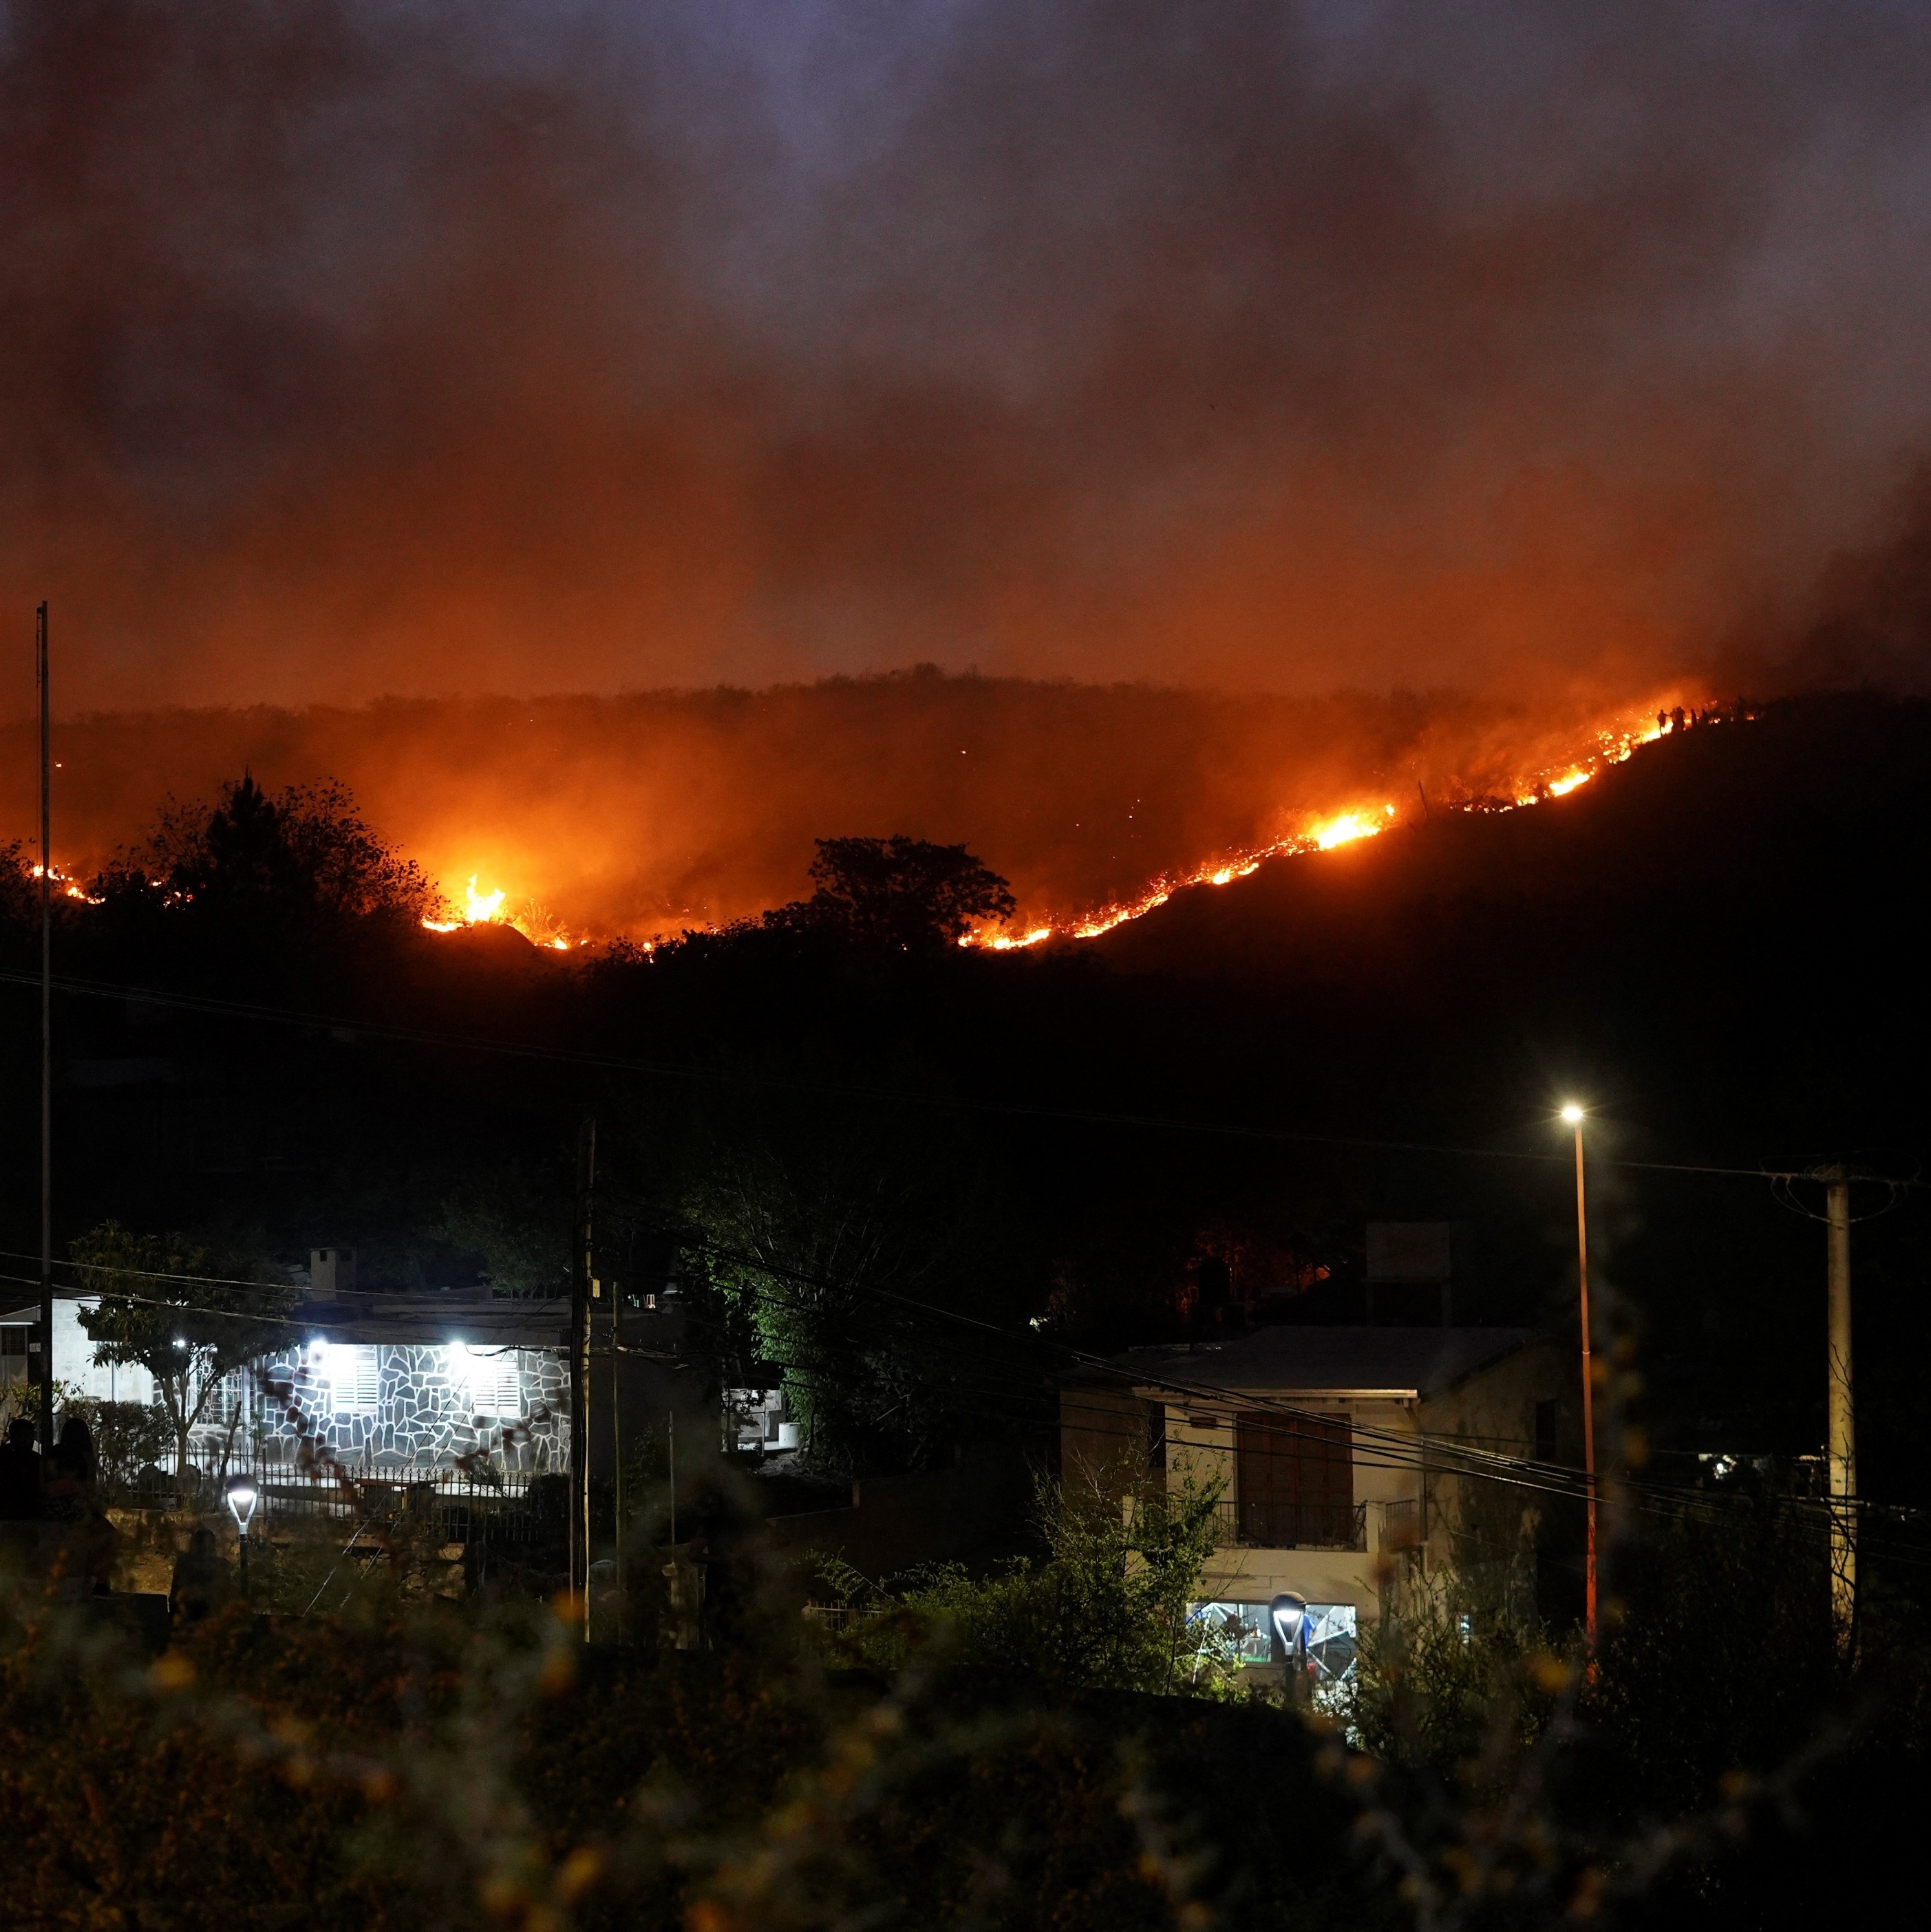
448,1505
1268,1524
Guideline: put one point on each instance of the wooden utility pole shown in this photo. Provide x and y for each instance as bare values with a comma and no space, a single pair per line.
46,1036
583,1289
1841,1447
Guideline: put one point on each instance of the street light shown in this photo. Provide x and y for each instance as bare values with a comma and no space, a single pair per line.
241,1507
1571,1114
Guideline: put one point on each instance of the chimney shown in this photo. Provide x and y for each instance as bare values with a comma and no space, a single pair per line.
332,1271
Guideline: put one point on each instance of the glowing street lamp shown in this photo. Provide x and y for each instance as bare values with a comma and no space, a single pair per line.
1572,1116
241,1507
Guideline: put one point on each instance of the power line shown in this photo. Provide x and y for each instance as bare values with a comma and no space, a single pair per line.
396,1031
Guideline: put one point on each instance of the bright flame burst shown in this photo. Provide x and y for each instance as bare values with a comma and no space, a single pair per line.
487,909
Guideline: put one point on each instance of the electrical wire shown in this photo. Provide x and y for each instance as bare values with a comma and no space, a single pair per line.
579,1057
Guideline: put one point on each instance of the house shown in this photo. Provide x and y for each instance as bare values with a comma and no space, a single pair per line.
394,1382
1347,1455
380,1382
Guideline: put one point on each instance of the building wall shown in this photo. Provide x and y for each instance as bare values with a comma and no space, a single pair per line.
423,1408
1483,1528
1480,1527
1105,1437
1201,1439
73,1362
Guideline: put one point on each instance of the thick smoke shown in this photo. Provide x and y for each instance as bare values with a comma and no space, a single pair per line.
421,346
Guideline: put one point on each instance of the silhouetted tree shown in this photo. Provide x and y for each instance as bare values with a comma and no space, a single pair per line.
303,851
898,892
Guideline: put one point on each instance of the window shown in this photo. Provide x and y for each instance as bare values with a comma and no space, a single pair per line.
355,1377
495,1383
1242,1633
1294,1481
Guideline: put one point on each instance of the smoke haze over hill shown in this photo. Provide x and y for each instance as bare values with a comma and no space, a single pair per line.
357,346
647,813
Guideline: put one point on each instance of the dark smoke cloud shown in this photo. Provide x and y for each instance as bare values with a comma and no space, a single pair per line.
355,345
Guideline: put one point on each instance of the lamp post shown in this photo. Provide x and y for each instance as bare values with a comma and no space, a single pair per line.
241,1507
1572,1116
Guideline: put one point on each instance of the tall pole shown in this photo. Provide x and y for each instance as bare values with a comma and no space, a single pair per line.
1574,1116
1841,1449
46,1036
582,1287
617,1443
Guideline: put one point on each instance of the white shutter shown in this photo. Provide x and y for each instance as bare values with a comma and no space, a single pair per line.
496,1385
355,1377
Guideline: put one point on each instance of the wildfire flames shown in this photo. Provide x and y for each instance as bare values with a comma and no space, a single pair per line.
1612,746
1559,766
487,909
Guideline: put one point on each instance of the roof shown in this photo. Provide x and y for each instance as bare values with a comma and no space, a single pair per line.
478,1318
1288,1360
503,1322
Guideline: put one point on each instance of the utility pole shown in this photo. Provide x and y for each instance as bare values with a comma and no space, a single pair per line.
1572,1115
46,1036
617,1293
1842,1448
583,1289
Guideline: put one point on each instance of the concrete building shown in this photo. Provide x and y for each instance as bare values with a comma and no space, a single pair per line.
1334,1445
74,1364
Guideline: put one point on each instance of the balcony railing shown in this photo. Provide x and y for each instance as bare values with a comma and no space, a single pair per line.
1294,1526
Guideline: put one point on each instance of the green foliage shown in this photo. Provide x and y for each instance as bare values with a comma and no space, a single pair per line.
180,1310
1106,1608
521,1229
1447,1681
821,1222
22,1400
1717,1652
127,1435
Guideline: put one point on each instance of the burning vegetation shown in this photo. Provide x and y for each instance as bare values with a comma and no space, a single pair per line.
584,821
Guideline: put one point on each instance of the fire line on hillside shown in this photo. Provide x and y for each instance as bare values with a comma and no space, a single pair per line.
1610,745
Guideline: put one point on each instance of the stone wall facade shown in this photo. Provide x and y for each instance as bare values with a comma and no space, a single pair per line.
429,1406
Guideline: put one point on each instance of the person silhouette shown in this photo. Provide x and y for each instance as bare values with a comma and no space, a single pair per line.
70,1473
20,1474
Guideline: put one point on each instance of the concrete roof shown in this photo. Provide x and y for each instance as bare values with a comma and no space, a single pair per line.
1286,1360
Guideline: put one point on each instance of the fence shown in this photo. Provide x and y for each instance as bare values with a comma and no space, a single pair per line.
443,1505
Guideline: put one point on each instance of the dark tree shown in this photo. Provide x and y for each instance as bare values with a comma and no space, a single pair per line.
303,851
898,892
